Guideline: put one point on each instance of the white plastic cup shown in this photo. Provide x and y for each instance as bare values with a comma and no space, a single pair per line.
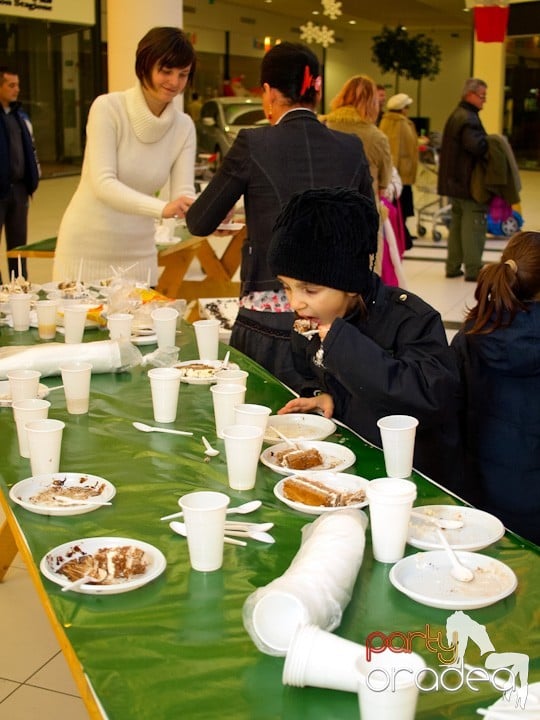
229,376
398,433
23,384
46,318
204,515
390,503
243,444
276,617
119,325
250,414
207,336
164,320
76,380
165,388
26,411
225,398
20,310
44,444
388,685
74,322
317,658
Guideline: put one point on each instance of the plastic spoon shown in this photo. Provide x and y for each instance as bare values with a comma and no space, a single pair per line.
180,529
151,428
443,523
101,575
289,442
210,451
74,502
458,571
243,509
260,536
255,527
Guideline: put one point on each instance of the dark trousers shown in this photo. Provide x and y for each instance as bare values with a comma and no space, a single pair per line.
14,218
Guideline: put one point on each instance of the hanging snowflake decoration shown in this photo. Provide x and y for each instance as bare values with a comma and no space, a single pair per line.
326,36
309,32
332,8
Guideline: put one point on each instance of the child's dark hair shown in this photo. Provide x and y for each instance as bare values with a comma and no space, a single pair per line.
504,288
293,69
167,47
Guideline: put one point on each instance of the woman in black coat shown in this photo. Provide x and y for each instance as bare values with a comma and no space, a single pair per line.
267,165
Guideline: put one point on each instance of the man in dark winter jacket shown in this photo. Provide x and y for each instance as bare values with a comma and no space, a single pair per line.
19,169
464,144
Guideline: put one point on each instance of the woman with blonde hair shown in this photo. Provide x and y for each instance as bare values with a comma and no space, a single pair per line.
354,110
499,355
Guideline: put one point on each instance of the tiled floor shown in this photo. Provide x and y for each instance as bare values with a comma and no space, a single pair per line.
34,678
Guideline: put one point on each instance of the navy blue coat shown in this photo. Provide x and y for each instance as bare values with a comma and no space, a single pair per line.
31,167
268,165
501,420
394,362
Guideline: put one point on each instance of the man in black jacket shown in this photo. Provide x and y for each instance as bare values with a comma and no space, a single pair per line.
19,169
464,144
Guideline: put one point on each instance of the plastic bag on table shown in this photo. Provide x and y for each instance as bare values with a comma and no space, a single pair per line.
103,355
162,357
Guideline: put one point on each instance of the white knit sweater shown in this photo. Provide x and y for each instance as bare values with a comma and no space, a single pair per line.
130,156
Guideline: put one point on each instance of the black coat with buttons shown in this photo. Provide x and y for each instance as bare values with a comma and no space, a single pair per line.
395,361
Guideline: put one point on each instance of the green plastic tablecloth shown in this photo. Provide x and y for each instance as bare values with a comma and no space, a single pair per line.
177,648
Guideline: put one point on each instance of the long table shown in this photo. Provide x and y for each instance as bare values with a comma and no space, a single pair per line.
175,260
177,647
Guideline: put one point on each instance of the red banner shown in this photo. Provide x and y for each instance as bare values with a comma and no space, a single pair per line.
490,22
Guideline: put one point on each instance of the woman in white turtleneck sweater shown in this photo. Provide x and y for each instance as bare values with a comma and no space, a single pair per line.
137,142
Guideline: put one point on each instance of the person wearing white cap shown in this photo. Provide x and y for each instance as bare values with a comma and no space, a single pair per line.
403,139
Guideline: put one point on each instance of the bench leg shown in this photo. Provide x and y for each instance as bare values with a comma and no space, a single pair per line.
8,549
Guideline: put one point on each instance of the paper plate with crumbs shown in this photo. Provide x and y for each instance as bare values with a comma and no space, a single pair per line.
426,577
63,493
479,530
322,492
304,456
298,426
201,372
5,393
118,564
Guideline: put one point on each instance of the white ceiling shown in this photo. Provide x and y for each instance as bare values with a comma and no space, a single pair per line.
371,14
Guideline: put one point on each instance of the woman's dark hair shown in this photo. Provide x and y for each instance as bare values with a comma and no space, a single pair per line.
504,288
165,47
294,70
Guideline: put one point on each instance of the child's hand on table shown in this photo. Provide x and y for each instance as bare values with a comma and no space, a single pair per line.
322,402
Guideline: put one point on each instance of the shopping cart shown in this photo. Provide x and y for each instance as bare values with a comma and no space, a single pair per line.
431,207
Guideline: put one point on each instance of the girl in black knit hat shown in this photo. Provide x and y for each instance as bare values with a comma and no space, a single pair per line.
364,349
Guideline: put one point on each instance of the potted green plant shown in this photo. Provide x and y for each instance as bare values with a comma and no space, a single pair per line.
414,57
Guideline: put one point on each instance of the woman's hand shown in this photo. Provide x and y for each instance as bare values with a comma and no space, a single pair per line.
323,402
177,208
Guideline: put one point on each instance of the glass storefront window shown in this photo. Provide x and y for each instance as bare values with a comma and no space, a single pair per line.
60,74
522,100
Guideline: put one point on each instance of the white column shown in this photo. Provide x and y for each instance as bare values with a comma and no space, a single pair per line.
127,22
490,66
